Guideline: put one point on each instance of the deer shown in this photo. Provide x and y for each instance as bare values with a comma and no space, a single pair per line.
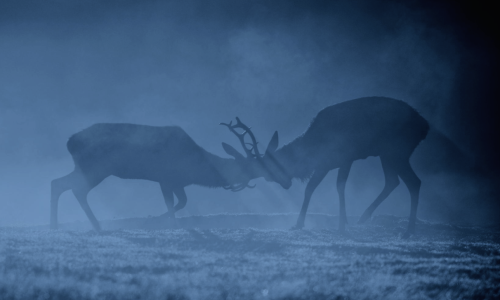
167,155
341,134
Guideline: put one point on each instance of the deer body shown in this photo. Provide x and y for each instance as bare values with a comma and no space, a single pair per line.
166,155
348,131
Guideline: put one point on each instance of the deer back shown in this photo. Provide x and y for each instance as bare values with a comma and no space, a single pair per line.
138,151
352,130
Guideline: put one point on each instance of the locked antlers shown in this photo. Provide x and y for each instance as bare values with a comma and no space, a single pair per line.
253,151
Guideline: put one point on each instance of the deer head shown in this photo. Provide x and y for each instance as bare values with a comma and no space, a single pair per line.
256,164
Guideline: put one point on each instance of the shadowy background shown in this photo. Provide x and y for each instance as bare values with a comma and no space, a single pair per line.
65,65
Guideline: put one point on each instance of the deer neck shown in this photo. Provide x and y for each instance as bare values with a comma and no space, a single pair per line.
296,158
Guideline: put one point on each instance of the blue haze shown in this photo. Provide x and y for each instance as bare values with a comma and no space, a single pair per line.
65,65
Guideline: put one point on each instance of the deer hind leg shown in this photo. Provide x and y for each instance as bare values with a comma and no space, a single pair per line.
181,198
57,187
313,183
168,196
413,183
391,182
341,181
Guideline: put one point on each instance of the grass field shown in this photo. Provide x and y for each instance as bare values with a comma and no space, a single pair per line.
249,257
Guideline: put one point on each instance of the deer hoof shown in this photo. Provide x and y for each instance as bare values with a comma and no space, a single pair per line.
168,215
297,227
364,218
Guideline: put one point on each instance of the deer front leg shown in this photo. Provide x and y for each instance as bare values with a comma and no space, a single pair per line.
313,183
57,187
168,196
341,181
391,182
81,196
181,198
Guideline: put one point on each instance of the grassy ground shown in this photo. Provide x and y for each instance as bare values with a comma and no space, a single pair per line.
226,262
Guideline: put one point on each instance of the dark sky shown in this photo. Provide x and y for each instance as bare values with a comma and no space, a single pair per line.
65,65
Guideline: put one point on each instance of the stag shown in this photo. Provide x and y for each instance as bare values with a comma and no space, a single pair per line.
166,155
343,133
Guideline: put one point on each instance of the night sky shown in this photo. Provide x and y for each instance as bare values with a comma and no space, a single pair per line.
65,65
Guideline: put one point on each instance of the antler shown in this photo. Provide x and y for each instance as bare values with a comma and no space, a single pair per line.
254,150
238,187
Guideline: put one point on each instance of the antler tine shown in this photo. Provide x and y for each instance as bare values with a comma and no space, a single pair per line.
240,136
250,133
239,187
253,151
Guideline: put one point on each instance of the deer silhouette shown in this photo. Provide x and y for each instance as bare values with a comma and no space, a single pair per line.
166,155
343,133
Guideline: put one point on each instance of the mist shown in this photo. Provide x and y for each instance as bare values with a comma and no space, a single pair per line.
65,65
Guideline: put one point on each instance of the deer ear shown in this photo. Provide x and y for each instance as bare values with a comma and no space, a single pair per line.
231,151
273,144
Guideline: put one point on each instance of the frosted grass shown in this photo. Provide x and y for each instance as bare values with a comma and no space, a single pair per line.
368,262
